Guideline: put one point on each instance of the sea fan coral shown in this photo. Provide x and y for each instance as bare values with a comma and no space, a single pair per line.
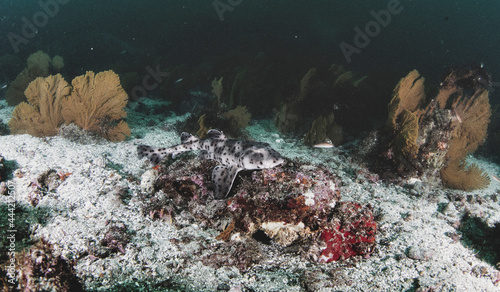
42,116
38,65
408,95
238,117
97,105
437,137
323,92
456,175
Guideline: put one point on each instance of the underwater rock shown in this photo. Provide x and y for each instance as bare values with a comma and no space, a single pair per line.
148,179
240,254
293,205
43,268
47,181
116,237
4,130
419,253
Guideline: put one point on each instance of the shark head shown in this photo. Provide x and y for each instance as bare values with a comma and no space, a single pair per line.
260,156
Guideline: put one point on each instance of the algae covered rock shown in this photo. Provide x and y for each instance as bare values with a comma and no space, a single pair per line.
297,204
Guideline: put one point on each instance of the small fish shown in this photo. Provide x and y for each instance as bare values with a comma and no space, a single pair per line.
232,156
324,145
495,178
3,86
178,80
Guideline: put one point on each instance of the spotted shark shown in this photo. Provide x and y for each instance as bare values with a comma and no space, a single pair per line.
232,156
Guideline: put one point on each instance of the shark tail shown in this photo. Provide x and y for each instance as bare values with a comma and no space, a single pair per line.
155,155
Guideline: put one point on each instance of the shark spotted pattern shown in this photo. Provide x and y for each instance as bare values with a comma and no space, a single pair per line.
232,156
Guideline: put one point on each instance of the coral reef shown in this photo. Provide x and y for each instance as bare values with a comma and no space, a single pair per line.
432,140
323,128
408,95
288,119
38,65
96,104
232,122
294,205
323,94
42,116
57,62
238,118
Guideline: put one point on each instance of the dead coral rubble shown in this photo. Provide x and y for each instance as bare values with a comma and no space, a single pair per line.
297,204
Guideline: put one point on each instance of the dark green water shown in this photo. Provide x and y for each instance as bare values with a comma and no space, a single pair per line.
425,35
381,39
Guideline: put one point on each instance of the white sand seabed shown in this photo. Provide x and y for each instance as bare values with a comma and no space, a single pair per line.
413,248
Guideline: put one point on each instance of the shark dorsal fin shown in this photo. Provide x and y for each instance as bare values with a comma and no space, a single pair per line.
187,138
216,134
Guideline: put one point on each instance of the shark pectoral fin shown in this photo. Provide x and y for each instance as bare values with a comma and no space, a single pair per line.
223,178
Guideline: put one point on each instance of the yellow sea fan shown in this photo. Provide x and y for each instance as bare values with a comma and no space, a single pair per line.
42,116
97,104
408,95
458,176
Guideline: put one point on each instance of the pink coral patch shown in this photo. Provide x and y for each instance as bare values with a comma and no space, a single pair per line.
352,233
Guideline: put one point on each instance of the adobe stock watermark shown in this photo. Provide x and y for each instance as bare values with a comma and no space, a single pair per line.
150,82
39,19
11,264
222,7
372,28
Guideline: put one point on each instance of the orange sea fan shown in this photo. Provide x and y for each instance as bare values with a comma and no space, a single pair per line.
97,104
41,116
